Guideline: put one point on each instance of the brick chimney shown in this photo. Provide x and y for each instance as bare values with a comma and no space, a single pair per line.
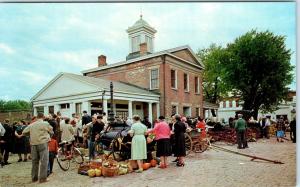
101,60
143,48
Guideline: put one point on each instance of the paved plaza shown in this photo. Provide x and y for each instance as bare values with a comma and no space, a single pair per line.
211,168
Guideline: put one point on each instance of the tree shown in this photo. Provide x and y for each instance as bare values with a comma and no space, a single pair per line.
14,105
258,67
213,86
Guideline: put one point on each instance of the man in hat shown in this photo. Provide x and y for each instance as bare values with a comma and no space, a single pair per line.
240,127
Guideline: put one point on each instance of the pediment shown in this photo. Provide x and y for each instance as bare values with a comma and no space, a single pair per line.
186,55
62,86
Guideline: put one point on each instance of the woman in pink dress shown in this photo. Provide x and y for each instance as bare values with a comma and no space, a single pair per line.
162,133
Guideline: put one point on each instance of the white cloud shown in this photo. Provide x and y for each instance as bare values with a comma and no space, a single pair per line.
6,49
33,78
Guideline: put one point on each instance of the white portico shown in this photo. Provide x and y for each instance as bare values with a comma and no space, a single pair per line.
71,93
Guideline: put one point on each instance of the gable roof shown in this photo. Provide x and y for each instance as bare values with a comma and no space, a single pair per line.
99,84
164,52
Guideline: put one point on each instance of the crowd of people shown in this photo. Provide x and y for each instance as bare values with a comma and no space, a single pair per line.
38,139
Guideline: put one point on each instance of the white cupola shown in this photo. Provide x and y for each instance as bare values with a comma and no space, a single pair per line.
141,33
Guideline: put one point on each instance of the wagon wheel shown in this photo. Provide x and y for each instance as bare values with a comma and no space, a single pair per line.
188,144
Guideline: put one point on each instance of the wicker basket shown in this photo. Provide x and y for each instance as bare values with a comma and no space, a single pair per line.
110,171
95,164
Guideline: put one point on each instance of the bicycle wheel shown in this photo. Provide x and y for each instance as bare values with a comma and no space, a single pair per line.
188,144
62,160
77,156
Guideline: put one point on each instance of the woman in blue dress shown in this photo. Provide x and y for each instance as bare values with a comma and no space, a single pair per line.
138,144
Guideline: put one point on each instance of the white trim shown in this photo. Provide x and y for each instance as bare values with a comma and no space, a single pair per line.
150,112
157,110
129,109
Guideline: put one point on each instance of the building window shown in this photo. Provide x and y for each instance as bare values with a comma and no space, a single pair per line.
186,111
154,79
173,79
174,109
186,82
51,109
197,83
197,112
135,43
149,44
40,109
64,106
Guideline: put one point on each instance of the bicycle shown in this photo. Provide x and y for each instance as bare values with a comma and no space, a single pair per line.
64,156
199,145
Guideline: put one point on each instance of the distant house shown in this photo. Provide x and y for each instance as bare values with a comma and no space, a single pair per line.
287,108
147,83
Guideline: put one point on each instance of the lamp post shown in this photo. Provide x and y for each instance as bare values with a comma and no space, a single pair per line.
103,93
111,115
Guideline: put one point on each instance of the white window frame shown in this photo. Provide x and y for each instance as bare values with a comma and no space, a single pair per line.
66,104
198,85
176,85
135,42
150,72
189,110
187,82
149,43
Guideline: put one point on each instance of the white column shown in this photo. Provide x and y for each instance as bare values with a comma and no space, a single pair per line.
72,109
130,109
150,112
56,108
115,109
157,110
105,106
46,110
86,105
34,111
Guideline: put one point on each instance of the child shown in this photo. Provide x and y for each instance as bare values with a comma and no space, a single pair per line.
53,147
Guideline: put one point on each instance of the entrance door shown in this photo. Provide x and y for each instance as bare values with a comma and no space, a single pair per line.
138,110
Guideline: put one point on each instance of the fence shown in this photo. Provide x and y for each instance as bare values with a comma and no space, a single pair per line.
16,115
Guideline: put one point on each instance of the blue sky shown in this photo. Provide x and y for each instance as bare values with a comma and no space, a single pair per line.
37,41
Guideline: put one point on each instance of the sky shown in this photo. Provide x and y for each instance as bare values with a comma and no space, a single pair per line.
37,41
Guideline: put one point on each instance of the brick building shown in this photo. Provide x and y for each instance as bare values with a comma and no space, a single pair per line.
156,83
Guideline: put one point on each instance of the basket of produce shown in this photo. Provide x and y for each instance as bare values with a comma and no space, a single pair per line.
150,138
83,169
95,164
110,168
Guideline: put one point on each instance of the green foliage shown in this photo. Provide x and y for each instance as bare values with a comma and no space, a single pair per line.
213,86
259,68
14,105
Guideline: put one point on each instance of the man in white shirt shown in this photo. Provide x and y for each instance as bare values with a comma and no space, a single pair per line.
2,132
67,131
